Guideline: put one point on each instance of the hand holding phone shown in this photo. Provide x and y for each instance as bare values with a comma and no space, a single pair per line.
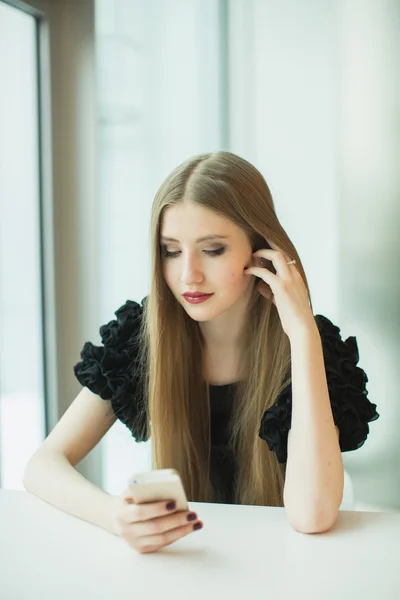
162,484
153,512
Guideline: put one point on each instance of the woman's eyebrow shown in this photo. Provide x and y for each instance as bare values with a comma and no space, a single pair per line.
201,239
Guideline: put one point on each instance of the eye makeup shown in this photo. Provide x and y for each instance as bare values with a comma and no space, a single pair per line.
175,253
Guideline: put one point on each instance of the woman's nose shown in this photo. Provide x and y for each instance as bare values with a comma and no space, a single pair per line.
191,271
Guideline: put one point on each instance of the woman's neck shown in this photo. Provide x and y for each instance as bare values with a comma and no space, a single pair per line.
223,339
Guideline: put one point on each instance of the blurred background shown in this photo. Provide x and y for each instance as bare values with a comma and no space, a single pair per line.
101,99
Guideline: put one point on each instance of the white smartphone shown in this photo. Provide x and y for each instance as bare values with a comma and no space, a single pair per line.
160,484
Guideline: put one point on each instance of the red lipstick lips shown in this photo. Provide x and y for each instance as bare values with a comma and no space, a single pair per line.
196,297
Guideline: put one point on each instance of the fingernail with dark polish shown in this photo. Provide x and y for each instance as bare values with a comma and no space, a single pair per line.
171,505
191,517
197,526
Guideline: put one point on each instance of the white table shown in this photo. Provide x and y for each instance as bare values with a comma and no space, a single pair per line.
242,552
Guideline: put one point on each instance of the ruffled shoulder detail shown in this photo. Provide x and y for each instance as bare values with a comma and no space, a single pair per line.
114,370
351,408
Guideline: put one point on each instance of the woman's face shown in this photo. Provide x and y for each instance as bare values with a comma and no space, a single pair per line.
204,252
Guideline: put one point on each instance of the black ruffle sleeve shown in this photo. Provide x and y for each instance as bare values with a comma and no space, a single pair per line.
351,409
113,371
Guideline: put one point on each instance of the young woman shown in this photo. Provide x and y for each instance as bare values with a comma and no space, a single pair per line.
244,391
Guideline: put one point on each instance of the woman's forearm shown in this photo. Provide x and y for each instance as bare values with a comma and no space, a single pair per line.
51,477
314,472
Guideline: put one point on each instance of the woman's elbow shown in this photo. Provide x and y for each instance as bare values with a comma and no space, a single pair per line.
314,523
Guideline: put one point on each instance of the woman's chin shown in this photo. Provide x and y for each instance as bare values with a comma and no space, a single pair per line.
200,314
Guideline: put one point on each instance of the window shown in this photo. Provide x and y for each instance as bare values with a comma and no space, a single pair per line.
21,332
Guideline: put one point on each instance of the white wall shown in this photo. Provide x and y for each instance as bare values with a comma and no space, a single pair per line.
369,184
314,104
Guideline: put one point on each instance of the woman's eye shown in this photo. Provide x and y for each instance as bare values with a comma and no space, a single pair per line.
175,253
216,252
168,254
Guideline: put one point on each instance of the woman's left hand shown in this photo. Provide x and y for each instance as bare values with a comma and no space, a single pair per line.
286,290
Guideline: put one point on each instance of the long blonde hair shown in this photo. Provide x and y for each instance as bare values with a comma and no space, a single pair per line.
178,397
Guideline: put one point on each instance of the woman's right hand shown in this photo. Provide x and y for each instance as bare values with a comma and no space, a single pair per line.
150,527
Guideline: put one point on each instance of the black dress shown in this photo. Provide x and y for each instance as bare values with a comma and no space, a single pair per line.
112,372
